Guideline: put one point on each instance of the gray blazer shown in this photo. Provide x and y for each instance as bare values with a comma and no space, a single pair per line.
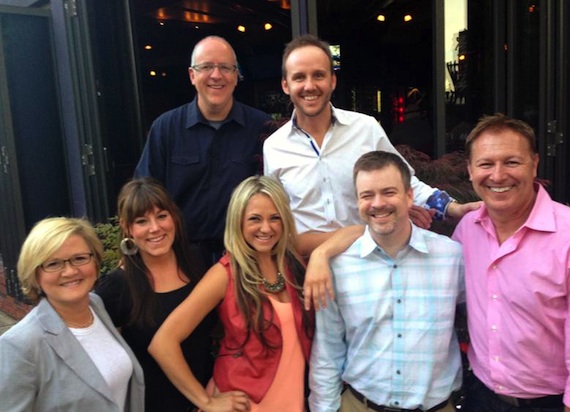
43,367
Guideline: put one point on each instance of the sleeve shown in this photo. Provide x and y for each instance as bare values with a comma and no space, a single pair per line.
112,288
461,273
153,158
327,360
457,233
422,191
18,377
268,170
566,398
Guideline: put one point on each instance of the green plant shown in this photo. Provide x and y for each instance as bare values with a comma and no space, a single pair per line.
110,235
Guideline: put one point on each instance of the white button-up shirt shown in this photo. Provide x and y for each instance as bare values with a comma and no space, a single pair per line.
319,180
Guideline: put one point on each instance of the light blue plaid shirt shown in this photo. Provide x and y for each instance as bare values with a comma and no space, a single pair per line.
389,333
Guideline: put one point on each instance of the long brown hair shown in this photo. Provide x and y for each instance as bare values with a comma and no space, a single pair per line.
137,198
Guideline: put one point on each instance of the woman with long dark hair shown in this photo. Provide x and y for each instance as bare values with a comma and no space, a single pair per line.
156,273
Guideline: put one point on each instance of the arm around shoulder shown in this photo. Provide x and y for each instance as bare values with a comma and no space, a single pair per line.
318,277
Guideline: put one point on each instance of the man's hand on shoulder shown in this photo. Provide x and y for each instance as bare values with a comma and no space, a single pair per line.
421,216
458,210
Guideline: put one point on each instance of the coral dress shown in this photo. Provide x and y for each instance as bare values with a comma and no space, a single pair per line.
286,393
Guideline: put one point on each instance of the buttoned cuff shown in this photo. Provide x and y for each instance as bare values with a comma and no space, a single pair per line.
439,201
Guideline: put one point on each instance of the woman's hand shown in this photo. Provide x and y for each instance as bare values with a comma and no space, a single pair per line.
234,401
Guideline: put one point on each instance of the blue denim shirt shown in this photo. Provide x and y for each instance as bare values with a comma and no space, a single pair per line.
200,165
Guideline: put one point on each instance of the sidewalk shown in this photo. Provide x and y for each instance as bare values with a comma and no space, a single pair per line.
5,322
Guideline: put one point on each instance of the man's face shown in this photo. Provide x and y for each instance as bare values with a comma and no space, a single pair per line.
383,203
502,169
309,81
215,89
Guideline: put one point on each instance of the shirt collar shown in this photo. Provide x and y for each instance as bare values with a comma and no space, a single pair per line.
194,116
417,242
294,118
541,217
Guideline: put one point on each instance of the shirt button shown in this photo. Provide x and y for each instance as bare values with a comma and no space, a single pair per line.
399,335
399,301
494,328
395,266
497,358
494,297
398,372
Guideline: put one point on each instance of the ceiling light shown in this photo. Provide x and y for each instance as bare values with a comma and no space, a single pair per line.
148,47
241,28
152,73
267,26
381,17
408,17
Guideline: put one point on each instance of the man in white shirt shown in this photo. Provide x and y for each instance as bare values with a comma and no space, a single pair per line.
312,155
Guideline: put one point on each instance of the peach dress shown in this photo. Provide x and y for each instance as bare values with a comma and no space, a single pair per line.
286,393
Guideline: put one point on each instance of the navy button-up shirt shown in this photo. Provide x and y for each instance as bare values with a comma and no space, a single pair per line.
200,165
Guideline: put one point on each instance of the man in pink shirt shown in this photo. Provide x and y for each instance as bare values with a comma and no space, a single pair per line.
517,267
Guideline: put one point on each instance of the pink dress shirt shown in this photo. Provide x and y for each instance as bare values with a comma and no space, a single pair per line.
517,301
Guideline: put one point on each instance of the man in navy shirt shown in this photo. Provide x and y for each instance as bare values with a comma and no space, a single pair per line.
201,150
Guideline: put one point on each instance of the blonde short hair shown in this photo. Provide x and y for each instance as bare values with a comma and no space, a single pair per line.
45,238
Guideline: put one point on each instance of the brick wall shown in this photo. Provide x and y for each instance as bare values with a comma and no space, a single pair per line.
9,305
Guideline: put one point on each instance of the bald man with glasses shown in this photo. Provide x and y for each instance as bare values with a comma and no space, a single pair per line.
201,150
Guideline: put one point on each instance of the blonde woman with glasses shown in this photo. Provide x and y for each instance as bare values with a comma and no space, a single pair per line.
66,355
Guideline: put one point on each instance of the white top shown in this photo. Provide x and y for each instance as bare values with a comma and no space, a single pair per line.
320,185
109,357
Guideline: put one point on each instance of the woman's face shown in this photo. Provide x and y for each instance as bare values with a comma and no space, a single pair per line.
154,233
262,226
70,285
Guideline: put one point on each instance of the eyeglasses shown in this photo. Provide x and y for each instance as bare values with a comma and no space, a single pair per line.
59,264
208,68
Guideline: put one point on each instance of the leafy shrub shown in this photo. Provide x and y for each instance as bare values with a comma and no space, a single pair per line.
110,235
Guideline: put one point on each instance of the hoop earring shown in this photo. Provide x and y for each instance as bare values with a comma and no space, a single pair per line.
128,246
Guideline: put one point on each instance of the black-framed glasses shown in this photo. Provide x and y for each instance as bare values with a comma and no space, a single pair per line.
208,68
56,265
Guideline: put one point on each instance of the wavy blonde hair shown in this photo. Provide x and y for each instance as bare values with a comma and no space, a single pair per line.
244,265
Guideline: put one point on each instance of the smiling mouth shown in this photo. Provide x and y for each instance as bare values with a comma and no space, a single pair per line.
157,239
500,189
72,283
380,214
311,98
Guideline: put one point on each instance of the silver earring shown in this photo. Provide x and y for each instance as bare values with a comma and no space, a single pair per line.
128,246
40,291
